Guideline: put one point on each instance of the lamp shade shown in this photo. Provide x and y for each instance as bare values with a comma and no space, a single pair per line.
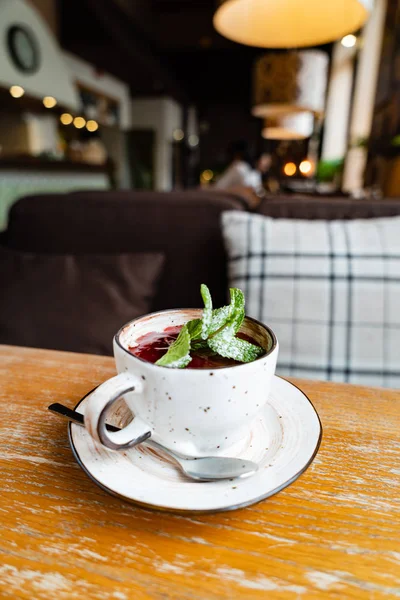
286,82
289,23
297,126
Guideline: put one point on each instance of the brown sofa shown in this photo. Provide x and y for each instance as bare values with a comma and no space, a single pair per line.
327,208
183,226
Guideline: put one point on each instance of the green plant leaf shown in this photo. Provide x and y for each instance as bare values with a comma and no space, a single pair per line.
225,344
207,312
198,345
328,170
194,328
231,315
220,317
215,333
237,310
395,141
178,356
224,341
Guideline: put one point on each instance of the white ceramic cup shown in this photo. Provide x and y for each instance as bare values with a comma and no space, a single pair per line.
196,412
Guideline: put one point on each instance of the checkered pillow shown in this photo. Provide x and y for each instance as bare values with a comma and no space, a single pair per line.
329,289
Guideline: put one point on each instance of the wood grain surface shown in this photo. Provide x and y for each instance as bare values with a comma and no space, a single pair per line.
335,533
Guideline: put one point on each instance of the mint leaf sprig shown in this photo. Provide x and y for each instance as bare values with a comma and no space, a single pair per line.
206,321
178,355
215,331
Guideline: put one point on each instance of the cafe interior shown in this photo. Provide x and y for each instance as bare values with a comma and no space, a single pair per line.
132,127
167,160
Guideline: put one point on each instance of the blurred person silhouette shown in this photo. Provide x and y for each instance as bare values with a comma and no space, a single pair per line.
262,166
241,176
239,171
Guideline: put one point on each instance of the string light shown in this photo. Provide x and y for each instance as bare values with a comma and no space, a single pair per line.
49,101
17,91
178,135
206,176
66,119
92,125
290,169
79,122
193,140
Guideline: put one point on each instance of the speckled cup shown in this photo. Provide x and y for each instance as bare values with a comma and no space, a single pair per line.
196,412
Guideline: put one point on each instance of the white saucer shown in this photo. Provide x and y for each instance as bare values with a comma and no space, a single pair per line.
284,441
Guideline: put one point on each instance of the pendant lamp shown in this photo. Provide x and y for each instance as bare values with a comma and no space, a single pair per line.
289,82
297,126
289,23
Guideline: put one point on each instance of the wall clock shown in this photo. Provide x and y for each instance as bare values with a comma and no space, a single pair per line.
23,48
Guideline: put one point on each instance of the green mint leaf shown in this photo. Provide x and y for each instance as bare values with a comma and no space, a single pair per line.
219,319
225,324
207,312
178,356
194,328
229,316
225,344
215,333
199,345
236,316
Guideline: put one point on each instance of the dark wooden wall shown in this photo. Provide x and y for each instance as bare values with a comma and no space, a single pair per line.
383,145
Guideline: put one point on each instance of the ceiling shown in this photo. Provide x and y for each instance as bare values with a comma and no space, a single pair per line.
170,47
160,47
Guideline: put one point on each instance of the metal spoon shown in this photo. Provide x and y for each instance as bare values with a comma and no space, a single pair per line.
208,468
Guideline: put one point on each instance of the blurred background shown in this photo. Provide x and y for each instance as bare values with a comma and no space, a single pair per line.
129,128
150,94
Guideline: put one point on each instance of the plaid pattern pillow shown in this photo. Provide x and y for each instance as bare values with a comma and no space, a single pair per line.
329,289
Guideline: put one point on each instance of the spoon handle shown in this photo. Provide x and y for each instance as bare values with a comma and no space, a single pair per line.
77,417
73,415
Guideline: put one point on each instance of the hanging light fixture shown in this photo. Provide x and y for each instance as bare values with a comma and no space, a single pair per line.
289,23
286,82
298,126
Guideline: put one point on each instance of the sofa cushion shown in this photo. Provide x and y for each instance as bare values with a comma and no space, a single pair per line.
329,289
184,226
73,302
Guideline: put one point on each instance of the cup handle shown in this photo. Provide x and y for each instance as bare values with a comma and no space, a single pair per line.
101,400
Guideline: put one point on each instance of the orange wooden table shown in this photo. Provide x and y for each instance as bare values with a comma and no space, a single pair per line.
334,533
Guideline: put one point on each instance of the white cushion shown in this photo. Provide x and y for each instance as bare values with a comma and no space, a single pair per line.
329,289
